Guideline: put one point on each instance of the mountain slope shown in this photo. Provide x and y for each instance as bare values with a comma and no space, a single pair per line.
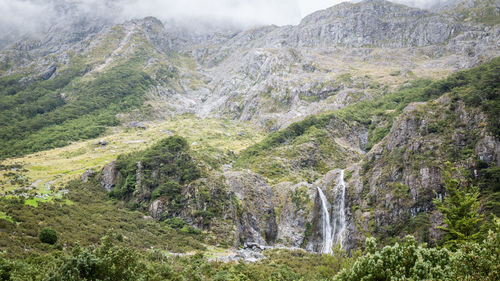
361,103
271,76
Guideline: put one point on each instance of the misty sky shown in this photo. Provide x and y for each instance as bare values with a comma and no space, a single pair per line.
31,14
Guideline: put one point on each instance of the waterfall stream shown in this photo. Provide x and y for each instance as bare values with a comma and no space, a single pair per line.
333,230
327,227
338,212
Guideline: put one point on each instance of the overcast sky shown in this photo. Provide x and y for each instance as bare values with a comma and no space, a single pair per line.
31,14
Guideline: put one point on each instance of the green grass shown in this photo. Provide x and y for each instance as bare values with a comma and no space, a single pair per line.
83,216
4,216
31,202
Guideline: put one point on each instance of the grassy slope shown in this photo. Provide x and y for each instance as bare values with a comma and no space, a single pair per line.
89,217
209,139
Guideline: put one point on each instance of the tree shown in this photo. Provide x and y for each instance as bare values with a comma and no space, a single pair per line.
474,261
48,235
460,209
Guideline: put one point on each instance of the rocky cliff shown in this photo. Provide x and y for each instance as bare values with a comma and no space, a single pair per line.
358,133
270,75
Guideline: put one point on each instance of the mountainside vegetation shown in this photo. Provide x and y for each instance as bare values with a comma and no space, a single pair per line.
52,113
361,144
167,167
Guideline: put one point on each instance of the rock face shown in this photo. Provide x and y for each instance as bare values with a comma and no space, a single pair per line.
295,202
157,209
272,76
109,176
257,220
138,125
50,71
374,23
402,174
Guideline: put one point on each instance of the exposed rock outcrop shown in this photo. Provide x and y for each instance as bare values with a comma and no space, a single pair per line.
157,209
257,218
87,175
401,175
109,176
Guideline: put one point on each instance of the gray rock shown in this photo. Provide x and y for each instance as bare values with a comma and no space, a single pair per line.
246,256
157,209
109,176
257,223
50,71
102,143
87,175
138,125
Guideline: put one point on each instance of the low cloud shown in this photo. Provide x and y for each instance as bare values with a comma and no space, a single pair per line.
19,16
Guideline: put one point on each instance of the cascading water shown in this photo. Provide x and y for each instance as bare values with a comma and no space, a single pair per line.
333,230
338,212
327,227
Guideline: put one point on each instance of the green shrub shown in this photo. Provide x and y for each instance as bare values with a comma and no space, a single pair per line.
48,235
106,262
406,261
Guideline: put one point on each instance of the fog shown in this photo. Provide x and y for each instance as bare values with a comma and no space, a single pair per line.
35,15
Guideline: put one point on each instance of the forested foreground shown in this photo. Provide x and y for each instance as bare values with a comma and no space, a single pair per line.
469,250
407,260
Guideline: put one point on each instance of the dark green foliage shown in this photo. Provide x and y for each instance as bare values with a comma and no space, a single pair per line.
165,167
48,235
489,185
106,262
166,188
406,261
411,261
175,223
480,87
403,261
479,261
460,208
172,156
55,112
6,268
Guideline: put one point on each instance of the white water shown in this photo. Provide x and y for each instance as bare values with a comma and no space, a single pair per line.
333,230
327,227
338,213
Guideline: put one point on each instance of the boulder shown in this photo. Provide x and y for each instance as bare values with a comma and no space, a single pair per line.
109,176
102,143
87,175
138,125
156,209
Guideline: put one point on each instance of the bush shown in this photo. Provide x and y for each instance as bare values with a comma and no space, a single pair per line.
106,262
48,235
406,261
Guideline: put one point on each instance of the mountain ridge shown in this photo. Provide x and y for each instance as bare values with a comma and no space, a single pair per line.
229,137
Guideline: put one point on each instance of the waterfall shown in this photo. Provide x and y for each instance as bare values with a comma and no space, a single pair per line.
327,227
333,231
338,212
